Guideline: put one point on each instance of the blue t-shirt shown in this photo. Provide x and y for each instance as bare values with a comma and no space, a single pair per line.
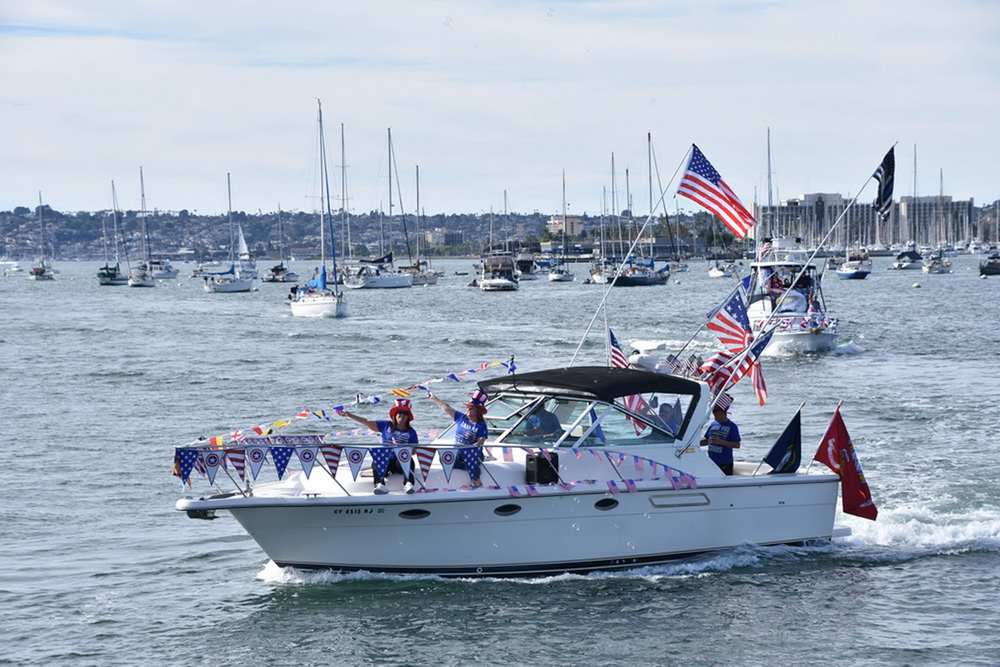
728,431
468,432
394,436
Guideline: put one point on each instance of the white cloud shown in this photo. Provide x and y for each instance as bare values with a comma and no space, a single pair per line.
487,97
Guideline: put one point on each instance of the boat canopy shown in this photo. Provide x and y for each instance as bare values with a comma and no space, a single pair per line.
602,383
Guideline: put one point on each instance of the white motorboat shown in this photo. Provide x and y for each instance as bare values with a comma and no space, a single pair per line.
910,260
10,267
936,263
279,273
610,490
377,274
227,282
317,298
141,277
160,268
727,270
786,290
498,273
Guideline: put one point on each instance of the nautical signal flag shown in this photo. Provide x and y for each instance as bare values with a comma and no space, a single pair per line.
703,184
837,451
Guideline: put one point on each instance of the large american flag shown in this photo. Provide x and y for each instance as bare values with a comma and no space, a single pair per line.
703,185
730,323
885,175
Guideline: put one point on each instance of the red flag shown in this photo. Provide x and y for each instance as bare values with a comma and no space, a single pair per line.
837,451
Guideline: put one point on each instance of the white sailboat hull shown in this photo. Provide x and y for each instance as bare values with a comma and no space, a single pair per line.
319,305
219,284
380,281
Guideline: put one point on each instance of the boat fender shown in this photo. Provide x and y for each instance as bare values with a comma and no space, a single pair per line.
916,284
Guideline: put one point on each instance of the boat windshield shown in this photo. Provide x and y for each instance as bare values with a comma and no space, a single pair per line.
547,421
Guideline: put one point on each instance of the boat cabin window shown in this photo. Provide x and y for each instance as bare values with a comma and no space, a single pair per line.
547,421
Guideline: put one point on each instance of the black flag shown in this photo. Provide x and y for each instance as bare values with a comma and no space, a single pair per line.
885,175
786,453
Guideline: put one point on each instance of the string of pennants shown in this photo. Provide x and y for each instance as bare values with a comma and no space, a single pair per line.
310,450
241,435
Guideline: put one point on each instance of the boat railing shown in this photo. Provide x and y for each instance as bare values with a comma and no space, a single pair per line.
285,456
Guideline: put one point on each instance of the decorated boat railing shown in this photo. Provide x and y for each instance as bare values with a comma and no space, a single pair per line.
307,454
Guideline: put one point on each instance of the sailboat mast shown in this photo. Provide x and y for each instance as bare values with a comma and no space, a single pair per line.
327,212
232,237
416,220
145,223
344,221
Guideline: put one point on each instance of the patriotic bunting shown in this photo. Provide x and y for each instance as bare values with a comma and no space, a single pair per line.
307,457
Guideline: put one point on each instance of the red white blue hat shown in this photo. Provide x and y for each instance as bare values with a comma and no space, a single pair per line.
401,405
478,400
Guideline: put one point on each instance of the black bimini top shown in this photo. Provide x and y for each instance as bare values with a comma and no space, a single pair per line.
591,382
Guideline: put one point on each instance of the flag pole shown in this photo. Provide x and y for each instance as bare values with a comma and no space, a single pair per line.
801,405
841,402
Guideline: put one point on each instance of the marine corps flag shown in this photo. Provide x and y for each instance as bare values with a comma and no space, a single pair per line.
837,451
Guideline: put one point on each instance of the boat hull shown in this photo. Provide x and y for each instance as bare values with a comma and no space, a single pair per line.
852,275
223,286
380,281
325,305
489,533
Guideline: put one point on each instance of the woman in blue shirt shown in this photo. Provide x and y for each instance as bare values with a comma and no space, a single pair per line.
395,431
471,432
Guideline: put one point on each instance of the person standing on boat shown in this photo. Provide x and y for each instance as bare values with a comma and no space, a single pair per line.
395,431
470,432
722,437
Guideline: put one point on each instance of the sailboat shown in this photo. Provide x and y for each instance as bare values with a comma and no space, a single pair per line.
42,270
246,266
559,273
111,275
422,274
140,275
936,262
228,281
318,298
380,273
857,265
279,273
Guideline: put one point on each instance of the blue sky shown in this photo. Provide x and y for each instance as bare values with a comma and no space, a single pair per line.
490,96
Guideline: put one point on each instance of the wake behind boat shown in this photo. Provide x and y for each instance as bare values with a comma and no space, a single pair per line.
610,488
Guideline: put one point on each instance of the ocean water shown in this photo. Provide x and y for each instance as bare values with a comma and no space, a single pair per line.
100,383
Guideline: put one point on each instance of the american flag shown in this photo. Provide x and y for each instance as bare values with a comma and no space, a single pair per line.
764,249
633,402
618,359
724,401
730,322
703,185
